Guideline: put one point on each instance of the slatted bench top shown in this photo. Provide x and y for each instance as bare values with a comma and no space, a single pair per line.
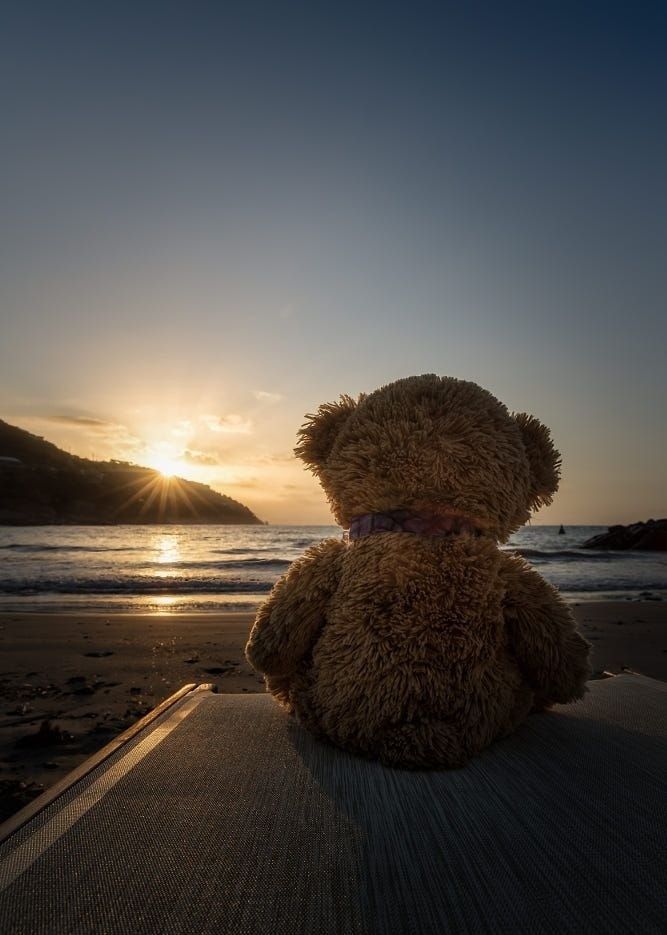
222,815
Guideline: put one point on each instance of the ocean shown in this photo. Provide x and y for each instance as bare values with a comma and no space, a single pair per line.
147,569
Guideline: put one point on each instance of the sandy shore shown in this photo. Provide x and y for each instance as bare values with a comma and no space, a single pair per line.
90,677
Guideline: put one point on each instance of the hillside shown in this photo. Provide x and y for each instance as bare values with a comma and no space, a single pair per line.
40,485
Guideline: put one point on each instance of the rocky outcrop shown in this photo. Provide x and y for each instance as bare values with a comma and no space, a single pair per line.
649,536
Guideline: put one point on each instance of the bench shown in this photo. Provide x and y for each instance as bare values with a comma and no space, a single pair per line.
219,814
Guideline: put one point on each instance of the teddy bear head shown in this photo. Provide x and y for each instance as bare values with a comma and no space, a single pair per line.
433,445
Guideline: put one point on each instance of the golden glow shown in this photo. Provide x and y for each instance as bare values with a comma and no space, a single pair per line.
158,493
167,549
163,606
165,465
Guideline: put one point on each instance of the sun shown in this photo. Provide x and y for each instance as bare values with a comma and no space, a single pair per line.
166,466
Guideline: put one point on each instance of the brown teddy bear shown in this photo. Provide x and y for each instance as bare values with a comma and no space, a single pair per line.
415,639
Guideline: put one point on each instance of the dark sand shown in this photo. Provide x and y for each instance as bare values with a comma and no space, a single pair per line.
91,677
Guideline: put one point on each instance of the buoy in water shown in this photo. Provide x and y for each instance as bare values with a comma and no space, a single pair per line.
561,531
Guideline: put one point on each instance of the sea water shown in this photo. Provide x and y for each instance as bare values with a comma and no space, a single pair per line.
215,568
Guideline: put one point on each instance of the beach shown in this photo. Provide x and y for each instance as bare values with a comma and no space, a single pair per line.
72,682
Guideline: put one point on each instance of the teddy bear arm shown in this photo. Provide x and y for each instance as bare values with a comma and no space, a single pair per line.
552,654
289,621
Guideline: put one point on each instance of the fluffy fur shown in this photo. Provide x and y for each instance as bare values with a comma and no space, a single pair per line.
418,650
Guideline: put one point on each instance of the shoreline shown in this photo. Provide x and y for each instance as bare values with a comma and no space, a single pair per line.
71,682
144,608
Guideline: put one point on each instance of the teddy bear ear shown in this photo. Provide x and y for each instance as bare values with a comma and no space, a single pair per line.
318,434
543,459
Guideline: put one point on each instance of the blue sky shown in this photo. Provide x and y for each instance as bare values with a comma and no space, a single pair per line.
234,212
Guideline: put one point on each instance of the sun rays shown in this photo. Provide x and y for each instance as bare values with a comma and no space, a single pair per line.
167,465
162,496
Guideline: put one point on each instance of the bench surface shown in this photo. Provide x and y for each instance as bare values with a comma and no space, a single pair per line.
223,816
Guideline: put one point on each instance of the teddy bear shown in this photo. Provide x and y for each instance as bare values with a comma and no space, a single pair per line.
415,639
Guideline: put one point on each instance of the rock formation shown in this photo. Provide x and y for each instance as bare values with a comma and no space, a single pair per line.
649,536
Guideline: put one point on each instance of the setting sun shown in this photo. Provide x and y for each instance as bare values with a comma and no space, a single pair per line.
166,466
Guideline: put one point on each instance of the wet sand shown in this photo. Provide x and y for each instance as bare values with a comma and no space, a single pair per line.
70,683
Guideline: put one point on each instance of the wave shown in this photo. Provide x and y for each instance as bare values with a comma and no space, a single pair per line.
36,547
280,544
569,555
179,585
243,551
136,585
242,564
611,587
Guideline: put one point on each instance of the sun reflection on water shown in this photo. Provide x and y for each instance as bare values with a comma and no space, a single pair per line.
167,548
164,601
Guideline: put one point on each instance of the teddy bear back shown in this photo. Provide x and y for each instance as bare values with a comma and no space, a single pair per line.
411,625
431,444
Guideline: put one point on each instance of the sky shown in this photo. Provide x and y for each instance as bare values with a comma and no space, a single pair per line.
216,216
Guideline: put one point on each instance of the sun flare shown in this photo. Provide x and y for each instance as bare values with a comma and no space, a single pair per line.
166,466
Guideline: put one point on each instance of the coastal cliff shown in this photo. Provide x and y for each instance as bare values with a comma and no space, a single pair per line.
40,484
